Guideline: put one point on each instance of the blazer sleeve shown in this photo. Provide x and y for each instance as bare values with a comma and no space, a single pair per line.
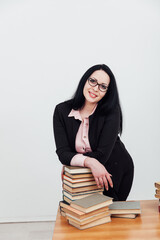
107,138
63,149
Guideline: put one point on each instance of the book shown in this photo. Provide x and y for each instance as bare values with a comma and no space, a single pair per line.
75,196
91,224
62,212
124,207
79,214
66,199
79,184
75,170
157,196
87,219
131,216
81,175
77,180
157,191
157,185
80,189
91,203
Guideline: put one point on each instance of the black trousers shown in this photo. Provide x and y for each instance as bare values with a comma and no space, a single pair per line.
121,166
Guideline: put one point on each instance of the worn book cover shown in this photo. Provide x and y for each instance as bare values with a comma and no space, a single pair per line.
79,176
80,189
92,224
91,203
76,196
80,184
77,180
157,191
157,196
66,199
123,207
87,219
157,185
79,214
75,170
131,216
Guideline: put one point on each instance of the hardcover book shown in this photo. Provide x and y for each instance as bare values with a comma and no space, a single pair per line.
78,214
92,224
124,207
77,180
79,184
131,216
75,170
157,191
81,175
157,196
80,189
157,185
76,196
87,219
91,203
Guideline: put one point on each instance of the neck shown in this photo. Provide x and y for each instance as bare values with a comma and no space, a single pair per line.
88,107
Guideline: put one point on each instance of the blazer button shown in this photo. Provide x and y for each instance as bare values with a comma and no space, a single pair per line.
84,136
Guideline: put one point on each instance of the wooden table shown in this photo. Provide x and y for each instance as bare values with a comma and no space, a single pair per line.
146,226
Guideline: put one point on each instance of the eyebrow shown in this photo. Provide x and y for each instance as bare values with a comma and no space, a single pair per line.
97,81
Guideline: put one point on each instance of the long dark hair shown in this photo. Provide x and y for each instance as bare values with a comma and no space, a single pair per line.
110,100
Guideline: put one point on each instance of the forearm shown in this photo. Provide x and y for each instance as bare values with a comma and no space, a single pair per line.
78,160
90,162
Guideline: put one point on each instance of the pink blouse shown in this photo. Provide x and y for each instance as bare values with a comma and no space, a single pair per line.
82,144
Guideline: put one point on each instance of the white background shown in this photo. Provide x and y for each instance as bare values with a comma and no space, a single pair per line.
45,47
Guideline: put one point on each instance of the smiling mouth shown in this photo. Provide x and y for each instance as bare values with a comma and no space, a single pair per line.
92,95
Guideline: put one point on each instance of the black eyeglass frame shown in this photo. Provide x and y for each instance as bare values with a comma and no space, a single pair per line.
99,84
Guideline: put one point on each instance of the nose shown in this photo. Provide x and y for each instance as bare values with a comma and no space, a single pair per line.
95,88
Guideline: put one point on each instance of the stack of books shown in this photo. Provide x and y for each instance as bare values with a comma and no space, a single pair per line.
157,193
87,212
78,182
125,209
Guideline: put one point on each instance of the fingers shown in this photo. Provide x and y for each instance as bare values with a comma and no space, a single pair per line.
101,182
102,177
105,182
97,181
108,176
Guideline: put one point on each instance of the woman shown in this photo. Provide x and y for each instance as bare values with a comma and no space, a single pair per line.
87,129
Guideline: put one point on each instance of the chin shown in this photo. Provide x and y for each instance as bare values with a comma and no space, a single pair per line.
92,101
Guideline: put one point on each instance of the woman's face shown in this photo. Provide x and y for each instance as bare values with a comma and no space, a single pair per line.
93,94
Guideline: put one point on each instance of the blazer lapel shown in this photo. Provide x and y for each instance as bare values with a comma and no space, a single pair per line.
74,126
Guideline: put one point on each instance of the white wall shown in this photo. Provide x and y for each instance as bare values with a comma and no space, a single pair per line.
45,47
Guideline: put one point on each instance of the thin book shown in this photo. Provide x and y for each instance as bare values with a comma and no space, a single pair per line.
125,207
76,170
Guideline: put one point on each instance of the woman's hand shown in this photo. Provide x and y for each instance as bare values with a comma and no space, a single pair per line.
101,175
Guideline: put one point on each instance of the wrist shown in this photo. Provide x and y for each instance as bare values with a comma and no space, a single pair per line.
88,162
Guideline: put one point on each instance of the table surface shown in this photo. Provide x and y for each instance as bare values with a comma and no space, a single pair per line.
145,226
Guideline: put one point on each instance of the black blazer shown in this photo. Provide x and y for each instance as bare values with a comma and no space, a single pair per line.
103,134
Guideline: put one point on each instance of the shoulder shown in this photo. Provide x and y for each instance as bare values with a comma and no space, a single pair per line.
64,107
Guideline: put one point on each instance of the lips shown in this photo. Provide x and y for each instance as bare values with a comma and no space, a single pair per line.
92,95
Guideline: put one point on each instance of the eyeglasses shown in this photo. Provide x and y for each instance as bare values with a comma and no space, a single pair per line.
93,82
